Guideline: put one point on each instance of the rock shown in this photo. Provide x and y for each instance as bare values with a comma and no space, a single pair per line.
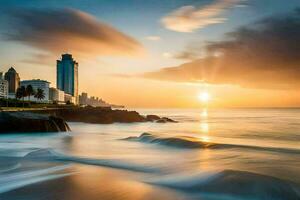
13,122
95,115
100,115
168,119
152,118
165,120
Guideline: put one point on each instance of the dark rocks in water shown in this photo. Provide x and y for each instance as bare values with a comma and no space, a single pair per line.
155,118
165,120
95,115
101,115
152,117
14,122
168,119
161,121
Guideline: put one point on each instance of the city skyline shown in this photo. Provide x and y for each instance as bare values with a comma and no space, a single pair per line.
66,90
175,51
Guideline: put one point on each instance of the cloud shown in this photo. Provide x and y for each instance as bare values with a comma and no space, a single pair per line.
153,38
69,30
187,55
265,54
40,59
192,52
190,18
167,55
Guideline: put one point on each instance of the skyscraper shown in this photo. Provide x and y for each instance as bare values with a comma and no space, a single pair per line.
67,75
13,80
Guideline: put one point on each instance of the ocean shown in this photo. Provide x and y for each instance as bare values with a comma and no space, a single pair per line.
210,154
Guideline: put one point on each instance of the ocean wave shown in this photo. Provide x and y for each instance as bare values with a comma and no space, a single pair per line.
232,184
10,168
11,181
195,143
119,164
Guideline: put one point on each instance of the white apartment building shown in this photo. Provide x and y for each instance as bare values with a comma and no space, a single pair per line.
3,87
56,95
38,84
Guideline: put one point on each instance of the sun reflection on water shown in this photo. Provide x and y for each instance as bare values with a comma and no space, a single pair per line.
205,138
204,127
204,113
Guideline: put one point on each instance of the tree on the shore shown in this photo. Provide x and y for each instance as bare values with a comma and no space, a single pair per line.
29,91
21,93
39,94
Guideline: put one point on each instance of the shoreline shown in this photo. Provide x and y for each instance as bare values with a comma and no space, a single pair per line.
55,119
101,115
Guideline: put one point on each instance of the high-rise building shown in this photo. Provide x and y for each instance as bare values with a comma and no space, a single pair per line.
38,84
13,80
83,98
3,87
67,75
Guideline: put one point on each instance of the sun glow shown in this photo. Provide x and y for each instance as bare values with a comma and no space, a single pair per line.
204,127
205,138
204,97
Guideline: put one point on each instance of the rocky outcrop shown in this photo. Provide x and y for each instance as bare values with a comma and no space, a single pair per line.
17,122
152,118
155,118
165,120
101,115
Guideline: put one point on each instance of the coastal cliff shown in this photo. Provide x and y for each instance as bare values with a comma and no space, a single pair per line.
14,122
102,115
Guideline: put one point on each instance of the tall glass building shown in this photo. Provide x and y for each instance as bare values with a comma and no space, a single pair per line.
67,75
13,79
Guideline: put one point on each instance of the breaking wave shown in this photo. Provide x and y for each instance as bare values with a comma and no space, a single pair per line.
119,164
231,184
195,143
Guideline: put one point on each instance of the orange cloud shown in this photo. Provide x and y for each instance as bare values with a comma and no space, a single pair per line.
190,18
69,30
264,54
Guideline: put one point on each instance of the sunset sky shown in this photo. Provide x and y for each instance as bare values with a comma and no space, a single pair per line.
161,53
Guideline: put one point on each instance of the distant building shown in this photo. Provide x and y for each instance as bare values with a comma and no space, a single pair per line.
70,99
83,98
3,87
13,79
56,95
67,75
38,84
92,101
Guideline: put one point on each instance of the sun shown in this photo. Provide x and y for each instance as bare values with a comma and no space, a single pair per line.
204,97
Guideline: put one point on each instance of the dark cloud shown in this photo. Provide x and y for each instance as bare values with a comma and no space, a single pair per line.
40,59
265,54
68,30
